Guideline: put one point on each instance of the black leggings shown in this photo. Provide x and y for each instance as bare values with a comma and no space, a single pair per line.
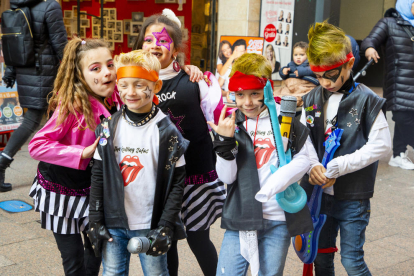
203,249
76,260
403,131
31,121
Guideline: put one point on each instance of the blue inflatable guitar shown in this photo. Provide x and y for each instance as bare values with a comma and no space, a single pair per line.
293,199
306,245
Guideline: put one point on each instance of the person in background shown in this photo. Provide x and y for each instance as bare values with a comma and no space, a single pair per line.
239,48
395,32
289,18
281,18
225,52
270,56
35,83
299,78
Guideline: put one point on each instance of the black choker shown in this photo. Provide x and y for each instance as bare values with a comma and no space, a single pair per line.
145,120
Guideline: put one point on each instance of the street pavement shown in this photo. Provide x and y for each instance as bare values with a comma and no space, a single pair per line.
26,249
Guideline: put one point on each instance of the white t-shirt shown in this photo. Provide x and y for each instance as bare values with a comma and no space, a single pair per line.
136,152
331,110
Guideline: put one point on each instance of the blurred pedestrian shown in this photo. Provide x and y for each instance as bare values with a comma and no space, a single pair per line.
34,83
396,32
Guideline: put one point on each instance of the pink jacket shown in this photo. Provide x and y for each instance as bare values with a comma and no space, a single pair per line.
63,145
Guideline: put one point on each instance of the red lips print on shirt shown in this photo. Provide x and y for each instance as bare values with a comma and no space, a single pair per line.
130,167
263,148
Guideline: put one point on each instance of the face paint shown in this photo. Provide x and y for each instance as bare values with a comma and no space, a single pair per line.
147,92
163,38
95,81
333,74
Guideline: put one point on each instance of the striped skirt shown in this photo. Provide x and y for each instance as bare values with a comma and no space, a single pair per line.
62,214
202,204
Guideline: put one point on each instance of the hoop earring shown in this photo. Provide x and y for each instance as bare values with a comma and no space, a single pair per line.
176,65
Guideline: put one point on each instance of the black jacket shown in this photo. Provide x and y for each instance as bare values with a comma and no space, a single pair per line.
241,211
356,115
399,59
49,33
107,190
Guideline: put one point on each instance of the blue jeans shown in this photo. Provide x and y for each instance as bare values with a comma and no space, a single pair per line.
273,241
115,256
351,218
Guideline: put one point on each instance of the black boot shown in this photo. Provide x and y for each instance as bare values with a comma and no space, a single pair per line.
4,163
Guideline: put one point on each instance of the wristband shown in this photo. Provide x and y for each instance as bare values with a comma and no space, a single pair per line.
225,147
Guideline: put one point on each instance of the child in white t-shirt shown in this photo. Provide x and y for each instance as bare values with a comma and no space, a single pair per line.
138,176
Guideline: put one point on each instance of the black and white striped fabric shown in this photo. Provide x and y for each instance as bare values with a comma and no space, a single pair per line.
202,205
62,214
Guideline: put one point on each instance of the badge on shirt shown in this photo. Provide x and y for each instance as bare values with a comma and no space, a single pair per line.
309,120
318,114
106,132
103,141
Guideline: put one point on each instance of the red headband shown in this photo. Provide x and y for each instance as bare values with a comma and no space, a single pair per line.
240,82
323,68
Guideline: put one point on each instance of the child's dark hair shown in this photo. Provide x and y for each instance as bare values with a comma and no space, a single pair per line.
221,56
239,42
301,44
173,30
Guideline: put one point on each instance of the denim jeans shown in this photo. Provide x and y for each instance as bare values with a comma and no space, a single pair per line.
351,218
115,256
273,242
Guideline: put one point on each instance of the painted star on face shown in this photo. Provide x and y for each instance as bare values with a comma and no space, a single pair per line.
163,39
176,120
147,92
353,112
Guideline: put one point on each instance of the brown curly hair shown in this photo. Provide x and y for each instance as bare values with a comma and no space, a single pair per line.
70,88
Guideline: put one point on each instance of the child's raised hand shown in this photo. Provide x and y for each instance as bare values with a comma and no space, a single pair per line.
194,72
89,151
226,126
286,70
296,73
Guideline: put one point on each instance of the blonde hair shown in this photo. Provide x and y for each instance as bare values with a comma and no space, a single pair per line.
328,44
70,87
140,58
253,64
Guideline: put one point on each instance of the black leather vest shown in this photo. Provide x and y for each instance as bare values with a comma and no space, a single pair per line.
356,115
241,211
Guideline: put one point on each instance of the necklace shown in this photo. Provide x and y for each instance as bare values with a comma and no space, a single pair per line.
145,120
255,131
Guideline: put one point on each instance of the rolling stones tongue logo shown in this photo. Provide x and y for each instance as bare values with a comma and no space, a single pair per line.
130,167
263,148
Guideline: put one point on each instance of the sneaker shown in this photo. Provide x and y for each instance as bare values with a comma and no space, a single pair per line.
402,161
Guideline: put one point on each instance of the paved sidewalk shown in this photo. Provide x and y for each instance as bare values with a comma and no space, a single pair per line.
26,249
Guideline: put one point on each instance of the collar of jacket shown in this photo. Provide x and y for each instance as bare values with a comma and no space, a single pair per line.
392,12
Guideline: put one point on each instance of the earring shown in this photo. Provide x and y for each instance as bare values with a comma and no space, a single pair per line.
176,65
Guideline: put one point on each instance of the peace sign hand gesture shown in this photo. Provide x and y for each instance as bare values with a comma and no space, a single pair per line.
226,126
